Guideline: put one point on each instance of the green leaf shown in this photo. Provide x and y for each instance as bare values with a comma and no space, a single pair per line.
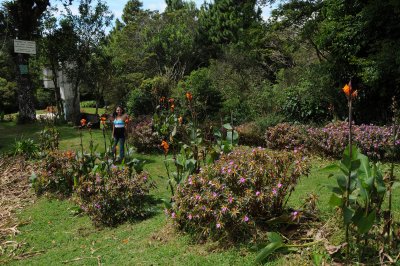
342,181
317,259
227,126
167,203
335,201
336,190
329,168
347,214
274,237
365,223
276,243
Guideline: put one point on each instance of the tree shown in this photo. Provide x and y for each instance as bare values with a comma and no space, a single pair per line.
89,26
24,20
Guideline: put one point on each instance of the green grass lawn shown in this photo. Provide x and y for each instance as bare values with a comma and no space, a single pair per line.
59,236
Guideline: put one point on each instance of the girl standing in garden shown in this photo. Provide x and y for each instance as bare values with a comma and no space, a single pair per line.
119,132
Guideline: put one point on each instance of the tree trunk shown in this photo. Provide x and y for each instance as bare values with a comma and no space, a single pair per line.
26,103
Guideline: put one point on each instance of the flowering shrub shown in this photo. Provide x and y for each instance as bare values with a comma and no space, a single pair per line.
230,197
332,139
112,197
56,174
250,134
286,136
142,136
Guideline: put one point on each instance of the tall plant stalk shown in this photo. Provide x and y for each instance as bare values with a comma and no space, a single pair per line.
350,94
391,177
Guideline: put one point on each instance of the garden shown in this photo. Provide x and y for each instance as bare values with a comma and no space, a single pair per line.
247,136
197,193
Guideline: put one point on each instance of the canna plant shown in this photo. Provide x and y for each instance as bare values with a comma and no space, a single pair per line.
360,187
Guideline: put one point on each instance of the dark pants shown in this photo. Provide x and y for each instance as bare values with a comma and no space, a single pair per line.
121,141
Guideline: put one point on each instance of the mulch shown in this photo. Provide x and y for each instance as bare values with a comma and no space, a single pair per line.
15,194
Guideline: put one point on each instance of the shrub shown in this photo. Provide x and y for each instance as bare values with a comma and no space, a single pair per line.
142,136
330,140
56,174
112,197
250,134
25,147
49,138
286,136
230,198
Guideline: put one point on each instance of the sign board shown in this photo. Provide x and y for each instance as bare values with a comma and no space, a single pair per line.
24,47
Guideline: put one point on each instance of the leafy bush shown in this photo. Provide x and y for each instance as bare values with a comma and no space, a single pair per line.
269,120
142,136
286,136
231,197
49,138
250,134
57,174
88,104
112,197
25,147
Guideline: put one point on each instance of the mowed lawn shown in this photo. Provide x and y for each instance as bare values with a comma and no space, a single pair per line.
51,227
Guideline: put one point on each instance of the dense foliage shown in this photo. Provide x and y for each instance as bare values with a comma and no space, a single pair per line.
234,195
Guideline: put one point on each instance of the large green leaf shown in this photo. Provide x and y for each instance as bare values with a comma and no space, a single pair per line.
365,223
335,201
347,214
276,243
227,126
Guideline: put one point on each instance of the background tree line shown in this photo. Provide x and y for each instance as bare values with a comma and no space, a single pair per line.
237,65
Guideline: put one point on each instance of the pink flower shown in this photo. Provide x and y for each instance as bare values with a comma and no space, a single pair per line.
274,191
258,193
242,180
279,185
190,217
218,225
230,199
173,215
245,218
224,209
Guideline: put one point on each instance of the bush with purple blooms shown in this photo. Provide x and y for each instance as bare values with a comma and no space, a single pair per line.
286,136
115,196
331,140
142,136
229,198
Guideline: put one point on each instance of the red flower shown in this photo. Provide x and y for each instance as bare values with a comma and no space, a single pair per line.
83,122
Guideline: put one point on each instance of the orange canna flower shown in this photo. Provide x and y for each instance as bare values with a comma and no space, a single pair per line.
69,154
83,122
103,118
171,100
180,120
165,146
189,96
127,120
354,94
162,99
347,90
172,107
